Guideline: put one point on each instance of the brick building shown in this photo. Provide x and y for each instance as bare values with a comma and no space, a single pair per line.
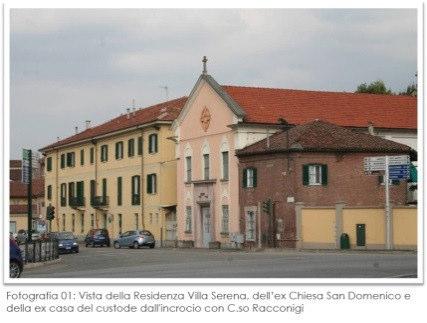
317,163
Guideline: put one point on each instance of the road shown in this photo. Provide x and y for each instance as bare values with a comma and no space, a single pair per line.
199,263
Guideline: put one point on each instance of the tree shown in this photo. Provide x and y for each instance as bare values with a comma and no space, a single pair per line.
377,87
410,90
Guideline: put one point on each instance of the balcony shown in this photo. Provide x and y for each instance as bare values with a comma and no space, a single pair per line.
77,202
100,202
136,199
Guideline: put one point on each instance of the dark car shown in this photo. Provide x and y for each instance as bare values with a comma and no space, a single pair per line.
66,241
135,239
97,237
16,264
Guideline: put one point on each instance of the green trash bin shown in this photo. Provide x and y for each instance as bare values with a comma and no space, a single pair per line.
344,241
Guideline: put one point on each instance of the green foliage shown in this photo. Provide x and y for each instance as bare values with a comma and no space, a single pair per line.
410,90
377,87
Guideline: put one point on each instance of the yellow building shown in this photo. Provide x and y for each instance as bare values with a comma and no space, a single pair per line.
120,175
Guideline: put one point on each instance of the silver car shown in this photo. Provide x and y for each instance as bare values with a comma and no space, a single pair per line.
135,239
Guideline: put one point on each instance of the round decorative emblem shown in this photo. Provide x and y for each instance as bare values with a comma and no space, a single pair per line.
205,119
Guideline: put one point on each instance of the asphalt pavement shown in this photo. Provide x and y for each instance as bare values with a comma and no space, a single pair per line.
102,262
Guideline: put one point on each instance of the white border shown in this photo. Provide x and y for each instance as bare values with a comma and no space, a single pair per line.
213,4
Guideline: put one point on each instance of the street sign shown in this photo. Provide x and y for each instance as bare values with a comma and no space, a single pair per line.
26,156
378,163
398,172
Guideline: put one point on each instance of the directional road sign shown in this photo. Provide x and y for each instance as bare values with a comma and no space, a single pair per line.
378,162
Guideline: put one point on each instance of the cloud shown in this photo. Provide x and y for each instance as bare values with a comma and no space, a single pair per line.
69,65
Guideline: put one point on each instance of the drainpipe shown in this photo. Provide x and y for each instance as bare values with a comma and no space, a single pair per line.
57,190
96,178
141,184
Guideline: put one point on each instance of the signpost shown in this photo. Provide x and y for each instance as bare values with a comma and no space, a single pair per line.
395,168
27,161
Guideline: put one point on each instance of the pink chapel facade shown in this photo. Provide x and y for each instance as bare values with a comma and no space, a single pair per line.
207,168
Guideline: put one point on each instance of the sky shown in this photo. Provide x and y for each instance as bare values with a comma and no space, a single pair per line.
72,65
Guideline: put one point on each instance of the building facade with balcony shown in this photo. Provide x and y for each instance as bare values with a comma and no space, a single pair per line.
120,175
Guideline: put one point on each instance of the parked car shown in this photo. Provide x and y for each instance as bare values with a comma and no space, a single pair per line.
97,237
135,239
16,263
66,241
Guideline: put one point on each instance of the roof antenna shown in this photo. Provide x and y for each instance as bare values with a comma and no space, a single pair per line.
205,60
166,88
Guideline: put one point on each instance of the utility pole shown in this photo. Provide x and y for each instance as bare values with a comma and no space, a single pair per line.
27,169
387,203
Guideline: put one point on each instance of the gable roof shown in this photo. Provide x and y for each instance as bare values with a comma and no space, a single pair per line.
165,111
321,136
267,105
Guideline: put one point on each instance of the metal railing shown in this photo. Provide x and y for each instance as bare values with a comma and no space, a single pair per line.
77,201
39,251
100,201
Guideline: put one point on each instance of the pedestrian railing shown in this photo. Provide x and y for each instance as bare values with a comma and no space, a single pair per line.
39,251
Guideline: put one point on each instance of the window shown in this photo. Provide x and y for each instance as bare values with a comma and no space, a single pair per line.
225,165
92,190
152,143
63,222
136,190
63,194
104,189
131,147
82,157
250,226
249,177
49,164
225,217
71,192
92,155
92,221
315,174
49,192
140,145
104,221
119,150
62,160
120,224
188,166
104,153
71,159
188,219
206,166
73,223
136,221
151,183
119,191
82,223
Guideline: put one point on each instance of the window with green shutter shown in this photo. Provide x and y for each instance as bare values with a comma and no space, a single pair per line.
315,174
49,192
119,150
49,164
131,147
250,177
140,145
62,160
136,190
119,191
151,183
104,153
152,143
92,155
82,157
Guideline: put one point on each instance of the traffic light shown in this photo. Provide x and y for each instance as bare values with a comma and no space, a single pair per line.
266,206
50,213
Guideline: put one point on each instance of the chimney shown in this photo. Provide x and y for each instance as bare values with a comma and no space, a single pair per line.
371,129
128,113
76,129
87,124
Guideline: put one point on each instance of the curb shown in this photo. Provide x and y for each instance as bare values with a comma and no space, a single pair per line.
43,263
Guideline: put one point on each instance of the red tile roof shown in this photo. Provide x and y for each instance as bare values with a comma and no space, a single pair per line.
21,209
266,105
19,189
15,163
165,111
323,136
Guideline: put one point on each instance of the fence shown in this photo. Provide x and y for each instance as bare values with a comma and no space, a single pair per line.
322,227
39,251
